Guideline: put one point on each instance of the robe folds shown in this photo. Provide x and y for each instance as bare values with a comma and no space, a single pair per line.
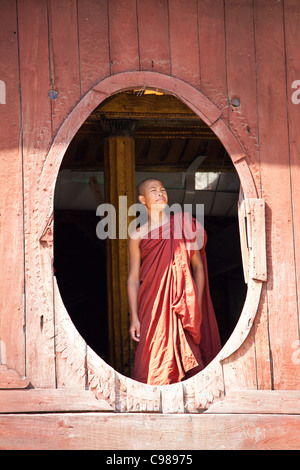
175,342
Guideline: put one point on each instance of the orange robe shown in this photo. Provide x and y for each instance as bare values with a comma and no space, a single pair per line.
174,343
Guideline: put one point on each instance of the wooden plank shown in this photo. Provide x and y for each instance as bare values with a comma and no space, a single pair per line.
36,118
239,369
184,46
245,321
212,52
146,107
197,102
50,400
131,431
12,337
64,58
253,238
276,190
123,36
262,344
240,62
292,39
259,401
256,211
153,35
119,181
93,42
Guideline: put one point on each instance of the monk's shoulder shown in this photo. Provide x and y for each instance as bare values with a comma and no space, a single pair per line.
137,234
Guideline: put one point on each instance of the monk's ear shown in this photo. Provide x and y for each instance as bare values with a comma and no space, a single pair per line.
142,199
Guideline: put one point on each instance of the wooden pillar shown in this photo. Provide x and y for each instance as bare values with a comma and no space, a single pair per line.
119,180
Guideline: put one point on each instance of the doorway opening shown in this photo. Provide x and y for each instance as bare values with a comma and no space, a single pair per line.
168,138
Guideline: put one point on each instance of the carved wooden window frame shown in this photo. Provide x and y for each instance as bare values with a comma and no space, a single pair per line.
123,393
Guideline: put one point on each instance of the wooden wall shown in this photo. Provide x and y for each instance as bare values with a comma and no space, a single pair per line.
224,48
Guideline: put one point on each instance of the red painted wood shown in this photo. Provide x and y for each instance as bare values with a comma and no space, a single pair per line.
93,42
292,38
64,58
12,339
36,120
262,345
212,51
259,401
276,189
154,35
240,61
123,36
184,47
134,431
50,400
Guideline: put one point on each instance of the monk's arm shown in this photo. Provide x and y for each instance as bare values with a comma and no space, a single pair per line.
198,275
133,284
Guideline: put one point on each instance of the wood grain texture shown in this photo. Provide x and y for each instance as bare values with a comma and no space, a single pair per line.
239,365
240,62
262,344
119,161
259,401
276,190
12,316
95,431
93,42
211,32
50,400
64,58
184,45
153,31
123,36
291,31
36,119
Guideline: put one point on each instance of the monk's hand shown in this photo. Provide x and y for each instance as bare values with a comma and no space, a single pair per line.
134,330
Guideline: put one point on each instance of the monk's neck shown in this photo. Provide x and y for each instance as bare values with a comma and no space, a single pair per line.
155,219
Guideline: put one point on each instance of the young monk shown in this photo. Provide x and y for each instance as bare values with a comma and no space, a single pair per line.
172,317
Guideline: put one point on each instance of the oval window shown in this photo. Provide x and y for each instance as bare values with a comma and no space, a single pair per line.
184,151
168,140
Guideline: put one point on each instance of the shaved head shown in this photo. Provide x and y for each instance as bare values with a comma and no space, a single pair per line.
143,184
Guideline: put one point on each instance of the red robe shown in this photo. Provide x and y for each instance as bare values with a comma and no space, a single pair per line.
174,343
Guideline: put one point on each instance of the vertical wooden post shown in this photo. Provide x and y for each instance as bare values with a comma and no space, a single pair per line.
119,180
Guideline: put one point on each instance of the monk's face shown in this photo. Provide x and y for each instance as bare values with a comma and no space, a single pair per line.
155,195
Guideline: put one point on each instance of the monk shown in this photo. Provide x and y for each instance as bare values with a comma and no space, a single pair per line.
172,317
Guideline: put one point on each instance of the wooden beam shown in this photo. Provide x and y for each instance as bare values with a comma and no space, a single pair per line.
119,180
259,401
143,107
12,295
39,119
131,431
50,400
